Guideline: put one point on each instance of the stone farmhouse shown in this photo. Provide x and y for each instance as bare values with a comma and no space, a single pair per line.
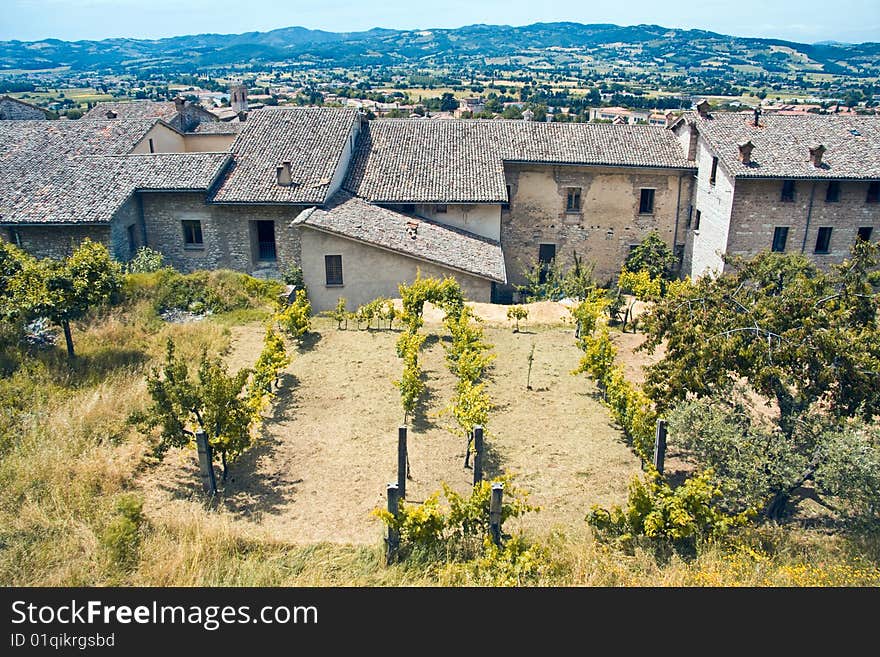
362,205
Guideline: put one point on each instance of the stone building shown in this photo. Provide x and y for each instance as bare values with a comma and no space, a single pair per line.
12,109
361,206
808,184
178,113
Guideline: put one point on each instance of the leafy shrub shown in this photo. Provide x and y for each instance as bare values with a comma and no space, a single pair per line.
122,535
296,317
145,261
517,313
293,275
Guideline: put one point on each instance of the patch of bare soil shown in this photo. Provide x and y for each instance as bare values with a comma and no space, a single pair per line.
327,452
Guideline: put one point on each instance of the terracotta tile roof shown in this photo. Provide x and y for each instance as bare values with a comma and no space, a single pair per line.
312,139
782,144
404,160
90,189
355,218
218,128
70,138
134,109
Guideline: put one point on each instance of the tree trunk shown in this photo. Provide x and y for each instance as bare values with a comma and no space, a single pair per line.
68,338
467,450
225,465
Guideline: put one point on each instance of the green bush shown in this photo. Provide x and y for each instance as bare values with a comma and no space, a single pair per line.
121,537
145,261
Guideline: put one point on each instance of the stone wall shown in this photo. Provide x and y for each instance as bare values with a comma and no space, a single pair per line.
607,225
706,244
369,272
12,110
758,210
228,231
56,241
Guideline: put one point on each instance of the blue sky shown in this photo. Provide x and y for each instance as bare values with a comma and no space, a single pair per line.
800,20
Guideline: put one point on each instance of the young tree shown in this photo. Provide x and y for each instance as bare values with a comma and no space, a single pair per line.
652,255
805,340
215,402
296,317
65,290
641,286
517,313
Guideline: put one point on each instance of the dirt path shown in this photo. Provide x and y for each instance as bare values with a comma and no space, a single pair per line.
329,449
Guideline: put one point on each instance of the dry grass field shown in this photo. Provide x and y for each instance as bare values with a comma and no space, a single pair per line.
327,452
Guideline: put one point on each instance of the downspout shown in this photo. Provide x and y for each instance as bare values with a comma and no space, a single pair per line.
809,215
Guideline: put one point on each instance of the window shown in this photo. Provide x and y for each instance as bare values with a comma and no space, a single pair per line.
714,175
152,149
333,269
873,192
192,234
864,233
697,215
832,194
823,240
573,199
132,239
780,237
546,255
788,191
646,202
440,209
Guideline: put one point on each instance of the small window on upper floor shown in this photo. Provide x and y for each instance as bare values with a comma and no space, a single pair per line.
864,233
646,201
697,215
573,199
787,191
873,192
823,240
714,175
832,194
780,237
192,234
440,208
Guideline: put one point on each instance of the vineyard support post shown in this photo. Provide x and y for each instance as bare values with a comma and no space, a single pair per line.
495,512
660,446
401,462
478,454
392,542
206,463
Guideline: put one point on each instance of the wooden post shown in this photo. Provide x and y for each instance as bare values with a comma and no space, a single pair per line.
206,463
478,454
495,512
401,462
392,542
660,445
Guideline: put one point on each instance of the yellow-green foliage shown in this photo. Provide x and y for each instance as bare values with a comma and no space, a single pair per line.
586,314
517,313
267,370
640,284
456,529
339,313
630,407
122,535
296,317
410,383
444,293
658,511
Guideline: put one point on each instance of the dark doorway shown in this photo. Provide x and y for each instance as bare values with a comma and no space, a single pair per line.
266,241
546,254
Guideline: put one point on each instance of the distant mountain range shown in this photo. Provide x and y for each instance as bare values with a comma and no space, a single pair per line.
557,44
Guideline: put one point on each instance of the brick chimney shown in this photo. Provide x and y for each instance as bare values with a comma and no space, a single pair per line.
111,114
816,152
179,103
670,118
745,151
282,174
703,108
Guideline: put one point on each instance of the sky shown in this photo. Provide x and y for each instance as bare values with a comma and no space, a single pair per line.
805,21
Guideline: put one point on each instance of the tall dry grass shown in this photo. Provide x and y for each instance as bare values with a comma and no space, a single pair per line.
69,460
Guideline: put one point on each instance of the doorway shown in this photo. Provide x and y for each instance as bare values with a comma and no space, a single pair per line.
266,241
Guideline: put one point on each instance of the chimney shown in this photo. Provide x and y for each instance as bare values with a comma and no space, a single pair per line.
757,117
703,108
179,103
282,173
412,229
242,116
745,151
816,152
670,118
111,114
